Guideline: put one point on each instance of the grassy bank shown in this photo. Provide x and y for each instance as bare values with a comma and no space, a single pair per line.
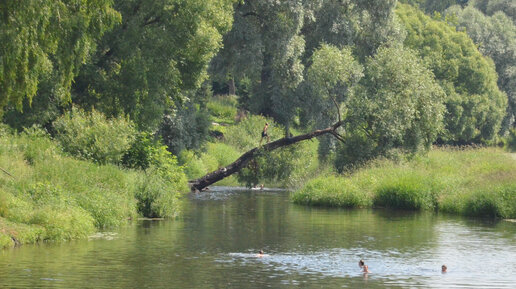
470,182
47,195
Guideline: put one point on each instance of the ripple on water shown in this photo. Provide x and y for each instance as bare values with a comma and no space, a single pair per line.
392,267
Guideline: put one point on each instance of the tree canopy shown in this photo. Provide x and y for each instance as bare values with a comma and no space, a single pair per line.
149,61
475,106
47,40
496,37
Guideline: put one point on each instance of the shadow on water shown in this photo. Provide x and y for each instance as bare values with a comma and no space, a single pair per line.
215,245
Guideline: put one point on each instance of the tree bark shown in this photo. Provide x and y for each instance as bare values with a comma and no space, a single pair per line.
215,176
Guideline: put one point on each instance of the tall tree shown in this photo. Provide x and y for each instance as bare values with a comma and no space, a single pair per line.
48,40
475,105
398,105
490,7
159,51
496,37
364,25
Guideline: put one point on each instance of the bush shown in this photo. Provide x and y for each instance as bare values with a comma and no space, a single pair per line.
158,195
194,167
472,182
408,191
223,153
247,133
223,109
333,192
498,202
59,198
91,136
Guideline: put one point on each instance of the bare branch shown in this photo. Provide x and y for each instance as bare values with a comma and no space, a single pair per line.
338,136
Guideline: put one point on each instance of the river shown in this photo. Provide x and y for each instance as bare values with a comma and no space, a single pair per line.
215,245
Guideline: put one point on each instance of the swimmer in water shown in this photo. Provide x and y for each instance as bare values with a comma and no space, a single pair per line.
366,269
444,268
361,263
260,254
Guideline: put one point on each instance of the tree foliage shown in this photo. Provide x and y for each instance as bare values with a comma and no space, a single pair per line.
475,105
50,40
490,7
159,51
91,136
398,104
496,37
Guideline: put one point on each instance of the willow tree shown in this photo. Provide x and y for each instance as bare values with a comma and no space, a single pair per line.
386,106
496,37
475,106
274,32
147,64
47,40
490,7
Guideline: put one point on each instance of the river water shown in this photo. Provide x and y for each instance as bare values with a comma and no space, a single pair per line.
215,244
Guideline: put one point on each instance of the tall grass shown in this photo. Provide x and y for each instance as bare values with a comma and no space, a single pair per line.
222,108
472,182
50,196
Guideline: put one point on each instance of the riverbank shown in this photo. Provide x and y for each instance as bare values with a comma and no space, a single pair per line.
46,195
469,182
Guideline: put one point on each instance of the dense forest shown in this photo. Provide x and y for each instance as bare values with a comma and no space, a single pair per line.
176,89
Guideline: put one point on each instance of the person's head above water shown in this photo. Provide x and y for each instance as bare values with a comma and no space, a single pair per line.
260,252
361,263
366,269
444,268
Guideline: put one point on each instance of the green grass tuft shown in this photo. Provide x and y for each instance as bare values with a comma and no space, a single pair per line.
470,182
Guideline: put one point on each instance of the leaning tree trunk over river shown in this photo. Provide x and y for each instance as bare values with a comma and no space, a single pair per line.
242,161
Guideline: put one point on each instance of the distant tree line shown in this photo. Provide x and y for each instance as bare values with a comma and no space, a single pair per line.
399,75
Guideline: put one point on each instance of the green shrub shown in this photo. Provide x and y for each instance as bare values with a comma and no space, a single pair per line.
63,224
498,202
473,182
331,191
223,109
247,134
160,196
193,166
210,162
408,191
59,198
5,241
223,153
91,136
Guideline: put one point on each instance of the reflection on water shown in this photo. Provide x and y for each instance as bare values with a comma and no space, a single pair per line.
215,246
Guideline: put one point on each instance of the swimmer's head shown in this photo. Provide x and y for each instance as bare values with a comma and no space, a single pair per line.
443,268
361,263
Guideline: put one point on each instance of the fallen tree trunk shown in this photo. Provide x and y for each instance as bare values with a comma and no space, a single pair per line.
242,161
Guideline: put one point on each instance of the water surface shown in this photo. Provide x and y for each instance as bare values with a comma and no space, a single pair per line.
215,244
